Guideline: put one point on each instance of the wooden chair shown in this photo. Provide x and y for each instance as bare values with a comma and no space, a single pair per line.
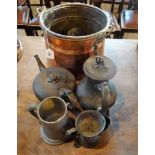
133,5
129,22
23,14
112,2
57,2
48,4
29,4
111,15
129,19
21,2
34,25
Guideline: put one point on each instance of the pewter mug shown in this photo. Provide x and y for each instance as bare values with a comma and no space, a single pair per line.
52,113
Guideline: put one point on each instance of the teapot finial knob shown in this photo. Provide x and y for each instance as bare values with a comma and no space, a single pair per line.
52,78
99,60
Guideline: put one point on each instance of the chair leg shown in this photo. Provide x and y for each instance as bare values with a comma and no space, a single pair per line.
29,5
41,2
29,32
119,35
130,5
112,6
36,32
47,3
56,2
97,3
31,14
84,1
121,6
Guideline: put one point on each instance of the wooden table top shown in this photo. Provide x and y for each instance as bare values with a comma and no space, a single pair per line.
124,139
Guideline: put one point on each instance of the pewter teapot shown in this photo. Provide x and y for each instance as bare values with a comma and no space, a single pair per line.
54,81
96,91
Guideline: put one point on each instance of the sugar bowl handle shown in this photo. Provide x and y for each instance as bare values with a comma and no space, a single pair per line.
68,95
32,109
71,133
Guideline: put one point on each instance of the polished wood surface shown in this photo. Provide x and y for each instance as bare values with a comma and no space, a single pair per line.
21,2
22,15
129,19
123,137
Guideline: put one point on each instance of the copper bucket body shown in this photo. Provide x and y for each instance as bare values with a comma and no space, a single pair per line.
71,51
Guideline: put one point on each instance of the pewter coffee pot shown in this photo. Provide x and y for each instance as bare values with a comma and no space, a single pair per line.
96,91
54,81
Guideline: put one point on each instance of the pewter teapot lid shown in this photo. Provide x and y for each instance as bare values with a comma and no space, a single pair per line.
99,68
52,81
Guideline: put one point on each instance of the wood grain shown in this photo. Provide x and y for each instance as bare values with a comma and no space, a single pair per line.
129,19
123,136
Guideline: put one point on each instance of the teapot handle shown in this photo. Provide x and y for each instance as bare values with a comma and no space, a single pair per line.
32,109
108,122
107,126
70,96
70,133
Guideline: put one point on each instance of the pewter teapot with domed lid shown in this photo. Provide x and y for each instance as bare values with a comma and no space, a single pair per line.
96,91
54,81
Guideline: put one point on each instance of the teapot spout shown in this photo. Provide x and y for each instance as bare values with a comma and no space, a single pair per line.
40,64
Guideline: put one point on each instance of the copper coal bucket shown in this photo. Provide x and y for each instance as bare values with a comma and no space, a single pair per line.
70,51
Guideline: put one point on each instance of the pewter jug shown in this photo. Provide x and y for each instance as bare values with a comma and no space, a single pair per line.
96,91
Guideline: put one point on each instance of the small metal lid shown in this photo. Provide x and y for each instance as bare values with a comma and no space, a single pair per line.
99,68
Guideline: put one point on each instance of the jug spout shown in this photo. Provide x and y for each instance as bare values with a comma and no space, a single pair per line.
40,64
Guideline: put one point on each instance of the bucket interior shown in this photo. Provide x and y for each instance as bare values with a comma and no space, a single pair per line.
74,20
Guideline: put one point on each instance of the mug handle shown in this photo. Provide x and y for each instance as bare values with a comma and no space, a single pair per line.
69,134
107,119
32,109
70,96
108,122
